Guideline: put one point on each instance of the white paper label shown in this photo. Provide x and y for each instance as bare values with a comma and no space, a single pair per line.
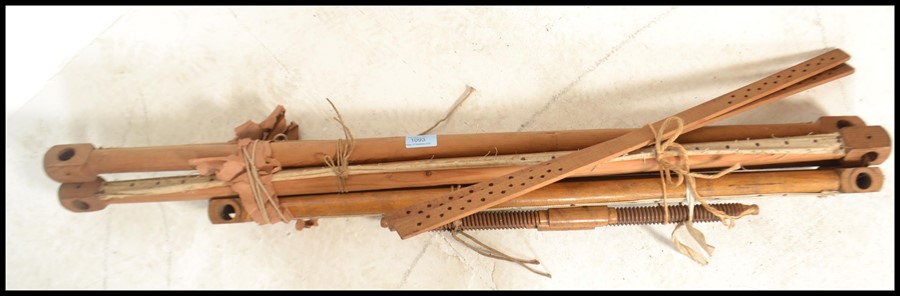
421,141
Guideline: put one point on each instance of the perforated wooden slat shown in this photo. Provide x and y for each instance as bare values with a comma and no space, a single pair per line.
428,215
818,79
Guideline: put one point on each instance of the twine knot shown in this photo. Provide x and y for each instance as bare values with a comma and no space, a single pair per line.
682,174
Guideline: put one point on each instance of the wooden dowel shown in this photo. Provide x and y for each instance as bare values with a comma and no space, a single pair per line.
73,163
704,155
812,144
806,150
581,192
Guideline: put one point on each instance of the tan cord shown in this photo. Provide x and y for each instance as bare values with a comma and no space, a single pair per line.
231,169
683,173
462,98
496,152
487,251
695,234
344,148
256,186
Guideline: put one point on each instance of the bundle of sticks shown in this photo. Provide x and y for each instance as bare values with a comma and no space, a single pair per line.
550,180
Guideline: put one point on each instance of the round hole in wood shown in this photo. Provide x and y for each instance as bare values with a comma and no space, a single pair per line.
869,157
227,213
66,154
863,181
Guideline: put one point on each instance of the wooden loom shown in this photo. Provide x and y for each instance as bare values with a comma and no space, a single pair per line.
562,180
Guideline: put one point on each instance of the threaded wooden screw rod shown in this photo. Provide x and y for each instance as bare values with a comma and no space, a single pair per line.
582,218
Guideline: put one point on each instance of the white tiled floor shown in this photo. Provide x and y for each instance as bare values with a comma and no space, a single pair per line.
164,76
